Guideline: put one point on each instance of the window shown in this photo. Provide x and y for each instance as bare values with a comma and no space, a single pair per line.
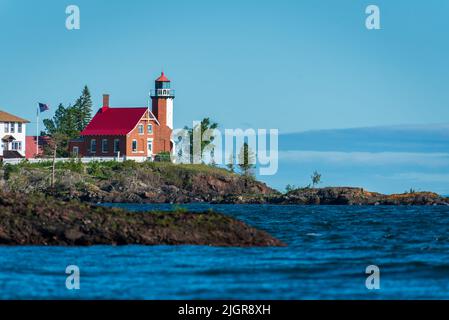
134,146
104,146
93,146
150,128
6,127
12,127
116,145
140,128
75,151
19,127
17,145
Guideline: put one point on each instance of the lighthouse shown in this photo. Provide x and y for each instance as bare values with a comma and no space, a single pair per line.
162,101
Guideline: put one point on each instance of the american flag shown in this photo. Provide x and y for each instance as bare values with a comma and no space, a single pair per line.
43,107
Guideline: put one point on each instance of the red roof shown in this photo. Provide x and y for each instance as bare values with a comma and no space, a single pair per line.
114,121
162,78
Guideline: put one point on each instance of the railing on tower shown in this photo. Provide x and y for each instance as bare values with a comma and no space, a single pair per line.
162,93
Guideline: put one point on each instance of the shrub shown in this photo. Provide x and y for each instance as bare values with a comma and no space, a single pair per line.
8,170
72,165
163,157
98,170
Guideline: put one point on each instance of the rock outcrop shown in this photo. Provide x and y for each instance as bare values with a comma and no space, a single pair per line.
356,196
132,182
40,220
152,182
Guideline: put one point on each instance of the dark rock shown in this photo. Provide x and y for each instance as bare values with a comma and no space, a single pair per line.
39,220
357,196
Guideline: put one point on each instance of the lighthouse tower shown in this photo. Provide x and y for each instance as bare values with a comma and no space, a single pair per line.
162,101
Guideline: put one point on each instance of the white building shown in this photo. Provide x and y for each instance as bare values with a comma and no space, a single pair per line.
12,135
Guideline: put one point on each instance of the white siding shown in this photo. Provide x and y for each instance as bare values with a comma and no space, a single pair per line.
20,137
2,134
170,113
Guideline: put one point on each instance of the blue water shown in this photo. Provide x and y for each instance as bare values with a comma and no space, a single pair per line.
329,248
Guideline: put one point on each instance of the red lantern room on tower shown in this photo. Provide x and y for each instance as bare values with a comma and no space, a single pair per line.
162,101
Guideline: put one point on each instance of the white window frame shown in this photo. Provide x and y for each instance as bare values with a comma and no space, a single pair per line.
12,127
140,129
92,142
103,146
6,127
19,127
77,152
16,145
150,128
132,146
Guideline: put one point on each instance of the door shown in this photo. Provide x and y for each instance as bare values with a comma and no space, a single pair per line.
150,147
76,152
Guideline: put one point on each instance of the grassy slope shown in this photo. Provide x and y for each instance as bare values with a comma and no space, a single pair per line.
132,182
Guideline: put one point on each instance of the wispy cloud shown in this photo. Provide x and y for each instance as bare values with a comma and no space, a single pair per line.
366,158
405,138
421,177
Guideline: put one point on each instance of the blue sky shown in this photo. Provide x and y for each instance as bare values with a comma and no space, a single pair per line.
291,65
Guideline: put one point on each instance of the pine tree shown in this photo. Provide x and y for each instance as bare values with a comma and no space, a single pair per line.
83,109
247,160
64,126
67,123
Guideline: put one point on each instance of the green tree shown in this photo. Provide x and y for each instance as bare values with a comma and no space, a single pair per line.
68,122
83,109
64,126
247,160
316,178
198,131
163,156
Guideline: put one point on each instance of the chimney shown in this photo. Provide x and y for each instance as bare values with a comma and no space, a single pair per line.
105,102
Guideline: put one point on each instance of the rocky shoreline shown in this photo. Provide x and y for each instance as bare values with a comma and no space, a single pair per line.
357,196
131,182
34,213
40,220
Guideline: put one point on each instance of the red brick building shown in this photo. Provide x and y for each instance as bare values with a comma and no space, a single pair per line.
133,133
31,143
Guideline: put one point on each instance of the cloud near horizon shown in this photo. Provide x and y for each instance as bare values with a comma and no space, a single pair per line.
421,177
430,160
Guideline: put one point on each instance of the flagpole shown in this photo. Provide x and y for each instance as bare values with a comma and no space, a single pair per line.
37,133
